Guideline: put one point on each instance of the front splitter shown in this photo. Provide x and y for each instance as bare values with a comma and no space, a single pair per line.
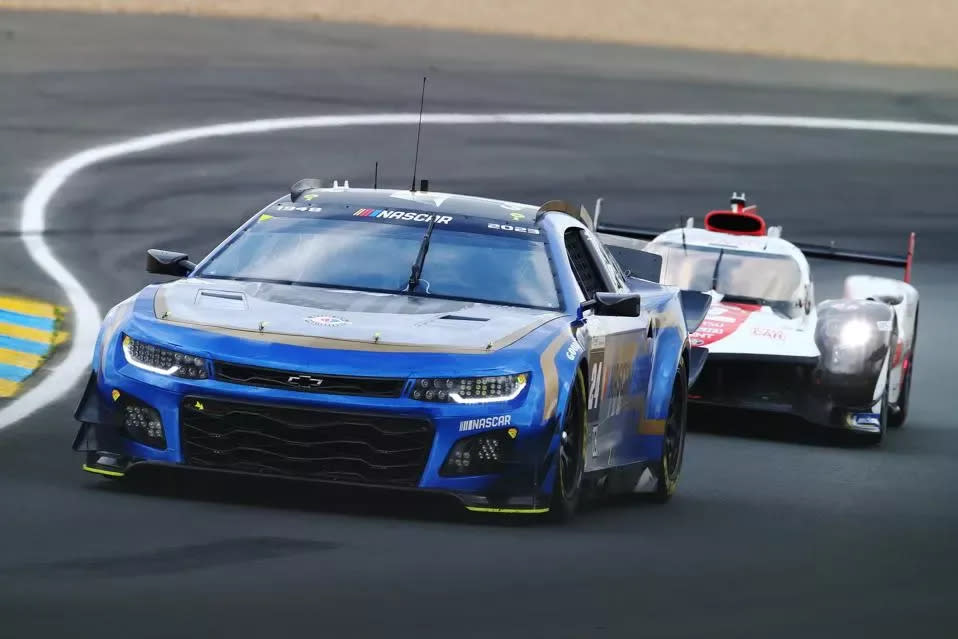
116,466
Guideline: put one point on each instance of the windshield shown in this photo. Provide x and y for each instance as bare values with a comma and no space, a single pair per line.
497,269
762,277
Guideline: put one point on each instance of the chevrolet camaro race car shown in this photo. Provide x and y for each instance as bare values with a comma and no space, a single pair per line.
846,363
485,349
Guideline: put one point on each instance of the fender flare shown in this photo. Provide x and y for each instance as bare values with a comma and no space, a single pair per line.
671,348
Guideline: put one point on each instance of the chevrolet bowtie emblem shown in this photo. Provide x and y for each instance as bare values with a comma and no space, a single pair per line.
305,381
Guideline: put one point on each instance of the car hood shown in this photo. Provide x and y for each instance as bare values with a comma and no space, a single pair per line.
302,315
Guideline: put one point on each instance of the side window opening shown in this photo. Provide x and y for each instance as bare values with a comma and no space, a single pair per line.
611,265
583,265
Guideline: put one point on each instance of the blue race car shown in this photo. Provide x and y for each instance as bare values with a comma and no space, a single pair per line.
489,350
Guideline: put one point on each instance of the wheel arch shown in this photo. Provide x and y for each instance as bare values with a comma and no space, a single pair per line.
670,350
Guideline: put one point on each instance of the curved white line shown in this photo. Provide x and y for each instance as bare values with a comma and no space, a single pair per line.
87,316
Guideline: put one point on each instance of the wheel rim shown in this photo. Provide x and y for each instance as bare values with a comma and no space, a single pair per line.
569,452
674,433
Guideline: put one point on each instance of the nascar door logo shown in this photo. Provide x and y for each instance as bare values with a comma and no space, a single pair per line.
612,383
721,321
597,366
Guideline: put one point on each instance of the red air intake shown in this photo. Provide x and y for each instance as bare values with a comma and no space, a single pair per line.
741,222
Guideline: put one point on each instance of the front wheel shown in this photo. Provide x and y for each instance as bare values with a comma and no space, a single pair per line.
875,439
669,467
898,417
570,465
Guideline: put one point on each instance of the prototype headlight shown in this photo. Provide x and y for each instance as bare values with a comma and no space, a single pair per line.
855,333
162,360
470,390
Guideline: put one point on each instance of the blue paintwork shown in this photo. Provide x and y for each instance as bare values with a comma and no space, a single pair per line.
649,379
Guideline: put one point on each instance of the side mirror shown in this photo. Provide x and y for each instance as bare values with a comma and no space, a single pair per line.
168,263
618,304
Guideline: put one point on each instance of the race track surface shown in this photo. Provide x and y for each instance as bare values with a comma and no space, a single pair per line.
778,530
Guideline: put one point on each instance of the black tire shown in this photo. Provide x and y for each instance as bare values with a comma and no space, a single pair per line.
668,469
570,460
898,417
875,439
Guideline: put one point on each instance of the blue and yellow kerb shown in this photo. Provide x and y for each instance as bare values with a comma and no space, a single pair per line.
29,331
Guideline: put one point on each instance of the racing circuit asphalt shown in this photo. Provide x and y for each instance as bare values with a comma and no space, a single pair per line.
778,530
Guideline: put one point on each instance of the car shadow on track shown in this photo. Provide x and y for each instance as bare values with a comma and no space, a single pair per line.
306,496
769,426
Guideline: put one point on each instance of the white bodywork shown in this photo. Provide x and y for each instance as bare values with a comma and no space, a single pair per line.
903,298
755,330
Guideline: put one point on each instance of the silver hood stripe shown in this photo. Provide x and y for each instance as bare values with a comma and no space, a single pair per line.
392,315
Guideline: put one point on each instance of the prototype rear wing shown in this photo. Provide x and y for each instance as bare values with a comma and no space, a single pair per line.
820,251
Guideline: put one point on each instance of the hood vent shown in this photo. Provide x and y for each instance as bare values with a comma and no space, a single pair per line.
464,318
224,300
223,295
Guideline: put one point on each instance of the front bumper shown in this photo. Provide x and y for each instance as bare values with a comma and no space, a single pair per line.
793,386
518,485
116,466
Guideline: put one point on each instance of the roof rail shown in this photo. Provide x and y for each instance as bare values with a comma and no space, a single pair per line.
577,211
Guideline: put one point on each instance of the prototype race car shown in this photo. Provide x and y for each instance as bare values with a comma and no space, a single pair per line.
490,350
845,363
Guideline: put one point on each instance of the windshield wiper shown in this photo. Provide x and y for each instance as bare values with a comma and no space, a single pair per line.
421,258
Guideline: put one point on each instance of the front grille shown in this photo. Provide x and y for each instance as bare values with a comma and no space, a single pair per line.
308,382
737,381
304,442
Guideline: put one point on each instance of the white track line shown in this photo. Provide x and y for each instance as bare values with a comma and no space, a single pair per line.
86,315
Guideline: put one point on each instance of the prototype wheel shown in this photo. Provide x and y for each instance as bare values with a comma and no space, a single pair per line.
875,439
897,418
669,467
571,459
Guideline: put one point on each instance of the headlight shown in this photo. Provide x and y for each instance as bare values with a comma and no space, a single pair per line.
470,390
162,360
855,333
143,423
479,454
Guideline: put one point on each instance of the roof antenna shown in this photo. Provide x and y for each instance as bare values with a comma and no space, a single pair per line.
376,176
738,202
415,165
681,226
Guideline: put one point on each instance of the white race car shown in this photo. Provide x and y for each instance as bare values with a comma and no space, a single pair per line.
846,363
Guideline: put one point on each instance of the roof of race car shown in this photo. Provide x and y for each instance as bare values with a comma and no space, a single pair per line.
425,201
